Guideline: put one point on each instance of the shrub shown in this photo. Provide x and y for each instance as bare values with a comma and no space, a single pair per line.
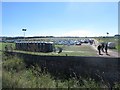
15,64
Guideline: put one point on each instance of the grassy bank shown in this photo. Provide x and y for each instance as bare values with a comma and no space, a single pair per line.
33,77
16,74
2,45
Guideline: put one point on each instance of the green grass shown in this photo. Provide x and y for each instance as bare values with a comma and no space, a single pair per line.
0,75
78,48
27,79
83,50
16,75
2,45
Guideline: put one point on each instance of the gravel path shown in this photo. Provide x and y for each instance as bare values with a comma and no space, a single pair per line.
110,52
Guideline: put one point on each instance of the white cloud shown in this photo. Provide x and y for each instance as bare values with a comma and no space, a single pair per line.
84,33
68,32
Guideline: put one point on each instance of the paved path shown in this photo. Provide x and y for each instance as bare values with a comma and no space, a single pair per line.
110,52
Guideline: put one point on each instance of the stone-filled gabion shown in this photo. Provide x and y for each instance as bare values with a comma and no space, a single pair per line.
34,46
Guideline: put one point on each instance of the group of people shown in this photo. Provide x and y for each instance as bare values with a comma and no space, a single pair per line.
103,47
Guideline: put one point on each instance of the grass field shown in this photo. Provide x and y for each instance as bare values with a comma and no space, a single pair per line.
73,50
83,50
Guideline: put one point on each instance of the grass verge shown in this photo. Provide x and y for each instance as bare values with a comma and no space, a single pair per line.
17,75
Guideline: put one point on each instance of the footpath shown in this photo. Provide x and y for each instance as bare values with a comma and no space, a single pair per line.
111,53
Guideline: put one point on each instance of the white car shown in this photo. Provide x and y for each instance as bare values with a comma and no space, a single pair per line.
111,45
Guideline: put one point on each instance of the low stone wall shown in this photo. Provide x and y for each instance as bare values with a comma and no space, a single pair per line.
99,68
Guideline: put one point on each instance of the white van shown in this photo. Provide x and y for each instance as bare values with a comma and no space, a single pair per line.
111,45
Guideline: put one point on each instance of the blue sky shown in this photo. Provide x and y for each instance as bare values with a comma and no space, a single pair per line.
59,18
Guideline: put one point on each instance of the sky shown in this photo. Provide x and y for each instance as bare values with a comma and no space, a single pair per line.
59,18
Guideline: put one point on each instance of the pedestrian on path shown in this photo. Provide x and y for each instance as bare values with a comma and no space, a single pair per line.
106,49
99,49
103,46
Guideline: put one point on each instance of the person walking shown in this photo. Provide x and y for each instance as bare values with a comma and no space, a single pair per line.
102,46
99,49
106,49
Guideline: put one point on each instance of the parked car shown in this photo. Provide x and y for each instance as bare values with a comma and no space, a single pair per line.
111,45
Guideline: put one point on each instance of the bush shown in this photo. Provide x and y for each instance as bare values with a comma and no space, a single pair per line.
15,64
16,75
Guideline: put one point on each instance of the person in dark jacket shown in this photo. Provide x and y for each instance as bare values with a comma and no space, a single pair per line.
106,48
99,49
102,46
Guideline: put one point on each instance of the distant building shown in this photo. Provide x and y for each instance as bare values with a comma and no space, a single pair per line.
34,46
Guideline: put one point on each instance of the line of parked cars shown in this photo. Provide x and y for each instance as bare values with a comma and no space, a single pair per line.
73,42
